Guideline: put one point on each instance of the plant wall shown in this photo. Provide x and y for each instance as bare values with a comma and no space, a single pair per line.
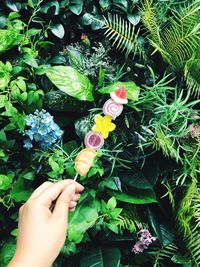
59,61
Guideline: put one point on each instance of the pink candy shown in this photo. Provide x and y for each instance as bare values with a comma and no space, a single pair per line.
113,109
94,140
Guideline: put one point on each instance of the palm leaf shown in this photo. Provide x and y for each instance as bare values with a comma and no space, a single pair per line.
191,73
178,39
163,142
161,254
129,219
123,34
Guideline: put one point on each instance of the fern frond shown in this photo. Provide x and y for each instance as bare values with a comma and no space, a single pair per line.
192,77
180,47
184,214
161,254
193,246
164,143
129,219
177,40
148,12
169,193
123,34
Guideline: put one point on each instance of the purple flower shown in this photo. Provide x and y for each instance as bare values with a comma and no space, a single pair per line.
138,247
145,240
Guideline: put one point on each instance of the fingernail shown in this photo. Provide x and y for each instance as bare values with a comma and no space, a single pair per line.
71,189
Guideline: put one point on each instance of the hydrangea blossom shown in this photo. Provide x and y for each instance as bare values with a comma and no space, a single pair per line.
42,130
145,240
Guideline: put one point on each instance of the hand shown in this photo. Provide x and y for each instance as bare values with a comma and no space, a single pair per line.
42,228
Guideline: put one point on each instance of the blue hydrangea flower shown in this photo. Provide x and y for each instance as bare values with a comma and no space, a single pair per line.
42,130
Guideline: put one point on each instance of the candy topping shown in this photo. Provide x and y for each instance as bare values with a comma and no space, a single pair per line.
94,140
84,161
119,96
113,109
103,125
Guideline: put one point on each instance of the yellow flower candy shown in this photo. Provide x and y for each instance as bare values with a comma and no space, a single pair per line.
103,125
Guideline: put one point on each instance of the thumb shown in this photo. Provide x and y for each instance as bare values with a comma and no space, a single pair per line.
63,201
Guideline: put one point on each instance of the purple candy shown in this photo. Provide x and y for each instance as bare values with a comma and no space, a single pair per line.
94,140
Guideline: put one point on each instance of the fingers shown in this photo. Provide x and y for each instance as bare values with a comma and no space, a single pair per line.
64,202
76,197
72,204
47,194
40,189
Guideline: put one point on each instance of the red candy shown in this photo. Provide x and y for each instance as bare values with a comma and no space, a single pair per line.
119,96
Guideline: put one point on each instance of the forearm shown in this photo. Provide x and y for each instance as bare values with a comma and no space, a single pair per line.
18,262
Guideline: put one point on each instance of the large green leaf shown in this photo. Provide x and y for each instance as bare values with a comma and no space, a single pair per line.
132,89
135,197
106,257
164,232
70,81
135,179
76,6
6,253
8,39
5,181
58,100
21,190
143,179
82,219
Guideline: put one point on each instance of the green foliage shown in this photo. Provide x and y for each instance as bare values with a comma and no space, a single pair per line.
55,55
91,60
163,253
71,82
132,89
178,39
109,257
124,34
9,39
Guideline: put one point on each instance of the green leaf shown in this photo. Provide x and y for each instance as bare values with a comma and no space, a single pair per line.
58,30
136,197
87,19
143,179
101,257
112,203
29,175
13,15
5,181
2,20
135,179
70,81
104,3
29,60
163,231
30,3
97,23
14,232
13,5
6,253
83,218
49,5
3,100
9,39
132,90
21,190
76,6
134,19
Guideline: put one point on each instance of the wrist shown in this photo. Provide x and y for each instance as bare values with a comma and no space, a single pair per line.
27,261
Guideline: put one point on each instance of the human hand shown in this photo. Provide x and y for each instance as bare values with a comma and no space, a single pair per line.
41,231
